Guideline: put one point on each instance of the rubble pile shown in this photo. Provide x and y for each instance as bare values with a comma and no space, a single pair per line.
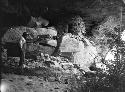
61,63
77,48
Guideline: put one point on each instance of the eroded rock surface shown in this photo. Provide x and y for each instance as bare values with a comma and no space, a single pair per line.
83,53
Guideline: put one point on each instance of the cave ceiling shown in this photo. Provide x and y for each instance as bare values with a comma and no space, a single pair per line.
59,5
51,9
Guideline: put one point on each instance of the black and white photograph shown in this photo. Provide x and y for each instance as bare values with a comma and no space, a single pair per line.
62,45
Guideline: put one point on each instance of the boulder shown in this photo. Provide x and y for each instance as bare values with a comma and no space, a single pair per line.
83,53
52,42
14,34
69,44
47,31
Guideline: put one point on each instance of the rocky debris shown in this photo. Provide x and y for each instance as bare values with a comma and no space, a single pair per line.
83,53
59,63
83,57
56,75
76,47
14,34
44,60
51,61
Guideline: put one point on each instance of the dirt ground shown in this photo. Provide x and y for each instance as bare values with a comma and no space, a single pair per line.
39,79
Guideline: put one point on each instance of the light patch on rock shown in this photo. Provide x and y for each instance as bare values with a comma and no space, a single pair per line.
44,31
123,36
102,66
109,60
52,42
85,57
69,44
111,55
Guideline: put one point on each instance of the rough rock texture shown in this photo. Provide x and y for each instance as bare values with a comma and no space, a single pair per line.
49,30
52,42
82,53
14,34
69,44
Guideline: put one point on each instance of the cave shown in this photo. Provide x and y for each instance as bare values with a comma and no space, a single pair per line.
82,35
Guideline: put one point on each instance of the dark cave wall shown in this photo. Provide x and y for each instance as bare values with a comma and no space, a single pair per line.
18,12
